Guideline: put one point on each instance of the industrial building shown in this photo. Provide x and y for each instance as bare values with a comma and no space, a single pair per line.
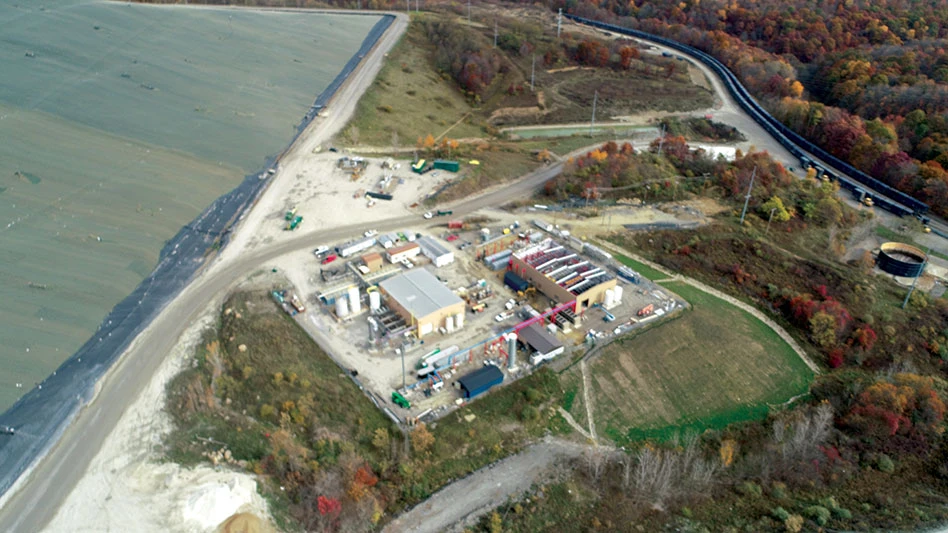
372,261
432,249
562,274
423,302
479,381
544,345
398,254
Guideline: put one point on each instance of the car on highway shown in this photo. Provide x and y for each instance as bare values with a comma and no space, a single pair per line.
320,250
329,259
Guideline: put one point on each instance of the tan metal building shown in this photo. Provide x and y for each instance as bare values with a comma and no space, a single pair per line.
424,302
373,261
405,251
562,274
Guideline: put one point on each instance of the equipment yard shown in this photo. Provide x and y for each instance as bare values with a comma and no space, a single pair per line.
387,301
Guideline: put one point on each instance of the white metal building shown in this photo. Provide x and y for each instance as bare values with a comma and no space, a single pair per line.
432,249
400,253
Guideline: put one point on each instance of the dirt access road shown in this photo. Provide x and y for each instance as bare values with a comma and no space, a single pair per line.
455,506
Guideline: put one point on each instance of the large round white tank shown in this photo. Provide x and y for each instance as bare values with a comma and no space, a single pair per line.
617,292
449,323
375,300
609,299
459,320
354,304
342,307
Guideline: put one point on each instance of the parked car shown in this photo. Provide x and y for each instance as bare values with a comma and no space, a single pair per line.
429,215
452,237
320,250
371,233
329,259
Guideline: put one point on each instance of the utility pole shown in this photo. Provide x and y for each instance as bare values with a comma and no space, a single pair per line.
533,71
661,140
559,22
748,197
403,367
915,281
407,6
769,220
468,11
592,122
417,6
495,33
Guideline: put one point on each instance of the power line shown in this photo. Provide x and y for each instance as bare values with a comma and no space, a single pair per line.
748,197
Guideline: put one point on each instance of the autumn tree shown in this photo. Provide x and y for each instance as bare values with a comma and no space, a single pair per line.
775,205
421,438
823,329
906,406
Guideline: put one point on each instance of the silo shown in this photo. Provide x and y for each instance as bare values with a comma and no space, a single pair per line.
342,307
617,295
375,300
354,304
459,320
511,351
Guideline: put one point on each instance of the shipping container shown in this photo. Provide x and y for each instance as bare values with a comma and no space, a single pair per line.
515,282
443,164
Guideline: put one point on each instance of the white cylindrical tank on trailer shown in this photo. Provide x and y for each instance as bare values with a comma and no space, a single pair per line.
617,293
459,320
342,307
354,305
375,300
449,323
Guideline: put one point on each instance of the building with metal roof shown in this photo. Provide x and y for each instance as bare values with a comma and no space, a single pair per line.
424,302
479,381
563,274
434,250
540,341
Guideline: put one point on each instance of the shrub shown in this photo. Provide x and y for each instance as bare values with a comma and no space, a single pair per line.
751,489
818,513
885,464
530,413
842,514
780,514
532,395
778,491
794,523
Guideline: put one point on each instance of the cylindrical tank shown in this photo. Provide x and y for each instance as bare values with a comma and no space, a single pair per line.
902,260
342,307
511,351
449,323
354,305
617,295
375,300
609,298
459,320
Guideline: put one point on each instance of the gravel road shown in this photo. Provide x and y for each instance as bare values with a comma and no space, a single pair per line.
462,502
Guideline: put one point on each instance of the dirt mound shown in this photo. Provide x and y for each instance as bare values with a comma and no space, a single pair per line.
245,523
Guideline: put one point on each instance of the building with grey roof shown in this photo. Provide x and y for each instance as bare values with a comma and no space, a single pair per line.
434,250
423,301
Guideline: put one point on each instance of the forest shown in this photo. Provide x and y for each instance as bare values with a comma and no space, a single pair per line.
866,80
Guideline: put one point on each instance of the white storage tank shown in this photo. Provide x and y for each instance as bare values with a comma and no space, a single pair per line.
375,300
610,299
459,320
354,305
342,307
617,292
449,323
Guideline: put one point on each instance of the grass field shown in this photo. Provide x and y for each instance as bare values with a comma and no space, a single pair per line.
641,268
712,366
410,98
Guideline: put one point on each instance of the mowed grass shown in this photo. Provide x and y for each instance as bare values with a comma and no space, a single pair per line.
712,366
410,98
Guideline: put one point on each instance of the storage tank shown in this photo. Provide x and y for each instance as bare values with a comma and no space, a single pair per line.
459,320
617,295
342,307
375,300
610,299
902,260
449,323
354,305
511,351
